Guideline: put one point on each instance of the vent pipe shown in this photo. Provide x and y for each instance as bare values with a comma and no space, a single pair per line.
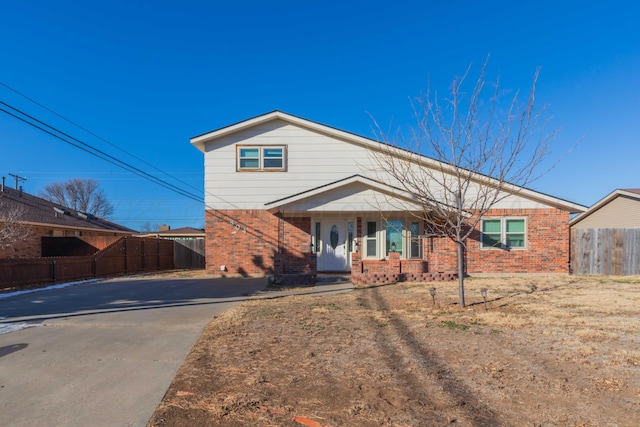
2,188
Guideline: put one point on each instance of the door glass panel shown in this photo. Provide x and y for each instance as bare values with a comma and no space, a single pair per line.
334,236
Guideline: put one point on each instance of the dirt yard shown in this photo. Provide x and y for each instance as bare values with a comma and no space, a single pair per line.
552,351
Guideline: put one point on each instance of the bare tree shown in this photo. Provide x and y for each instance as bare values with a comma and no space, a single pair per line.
464,155
148,227
84,195
12,230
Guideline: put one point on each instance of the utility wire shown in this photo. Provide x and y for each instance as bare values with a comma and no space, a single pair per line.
95,152
148,176
94,134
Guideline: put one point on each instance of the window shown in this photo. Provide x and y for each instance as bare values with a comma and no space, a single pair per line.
350,236
394,236
371,241
503,232
514,235
415,246
262,158
317,245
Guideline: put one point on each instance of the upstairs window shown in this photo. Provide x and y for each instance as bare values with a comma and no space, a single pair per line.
261,158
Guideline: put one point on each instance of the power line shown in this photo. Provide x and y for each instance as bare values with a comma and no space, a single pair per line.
148,176
96,152
94,134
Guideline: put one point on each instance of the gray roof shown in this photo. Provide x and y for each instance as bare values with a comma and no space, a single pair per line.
35,210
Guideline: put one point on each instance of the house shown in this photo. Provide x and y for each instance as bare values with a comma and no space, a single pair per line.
606,238
619,209
290,197
44,219
183,233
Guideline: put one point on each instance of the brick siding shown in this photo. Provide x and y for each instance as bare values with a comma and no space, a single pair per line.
547,245
255,242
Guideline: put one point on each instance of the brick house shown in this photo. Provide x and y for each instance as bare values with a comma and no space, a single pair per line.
290,197
46,219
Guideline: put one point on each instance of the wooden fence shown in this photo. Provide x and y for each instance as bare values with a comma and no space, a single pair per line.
189,253
605,251
125,256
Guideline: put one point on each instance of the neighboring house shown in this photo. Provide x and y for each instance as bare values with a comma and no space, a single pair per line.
606,238
620,209
48,219
184,233
290,197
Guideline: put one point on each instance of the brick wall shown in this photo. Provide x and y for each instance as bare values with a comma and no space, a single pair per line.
547,248
255,242
30,248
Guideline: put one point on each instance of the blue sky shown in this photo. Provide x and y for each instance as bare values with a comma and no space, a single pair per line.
148,75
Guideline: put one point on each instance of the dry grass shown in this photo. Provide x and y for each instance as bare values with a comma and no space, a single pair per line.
548,351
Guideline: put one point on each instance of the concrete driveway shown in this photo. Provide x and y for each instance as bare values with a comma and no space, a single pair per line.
103,353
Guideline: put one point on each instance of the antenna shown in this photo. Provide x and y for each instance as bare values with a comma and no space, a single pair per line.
18,179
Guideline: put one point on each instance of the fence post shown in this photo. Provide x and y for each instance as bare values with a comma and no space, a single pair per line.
53,270
126,266
144,265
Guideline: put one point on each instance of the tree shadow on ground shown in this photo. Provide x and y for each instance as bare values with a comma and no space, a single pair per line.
414,348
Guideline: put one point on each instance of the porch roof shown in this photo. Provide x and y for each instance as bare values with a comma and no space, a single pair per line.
355,193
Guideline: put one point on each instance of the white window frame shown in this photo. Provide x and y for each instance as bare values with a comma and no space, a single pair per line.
502,243
366,239
261,158
418,237
381,238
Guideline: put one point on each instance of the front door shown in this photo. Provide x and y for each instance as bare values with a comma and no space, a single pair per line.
333,253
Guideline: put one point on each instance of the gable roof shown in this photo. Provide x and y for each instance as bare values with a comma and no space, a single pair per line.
387,190
200,141
37,211
633,193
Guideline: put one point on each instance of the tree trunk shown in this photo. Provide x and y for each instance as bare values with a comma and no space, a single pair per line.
460,250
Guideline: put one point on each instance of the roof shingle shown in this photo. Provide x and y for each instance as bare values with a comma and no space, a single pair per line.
36,210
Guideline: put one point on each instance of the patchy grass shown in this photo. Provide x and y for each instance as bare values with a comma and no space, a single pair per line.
556,351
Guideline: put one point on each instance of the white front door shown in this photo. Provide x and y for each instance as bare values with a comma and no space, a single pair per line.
333,252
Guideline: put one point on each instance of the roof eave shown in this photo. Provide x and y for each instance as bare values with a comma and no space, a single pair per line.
603,202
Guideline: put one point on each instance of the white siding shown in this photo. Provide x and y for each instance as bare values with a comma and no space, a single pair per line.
313,159
351,198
